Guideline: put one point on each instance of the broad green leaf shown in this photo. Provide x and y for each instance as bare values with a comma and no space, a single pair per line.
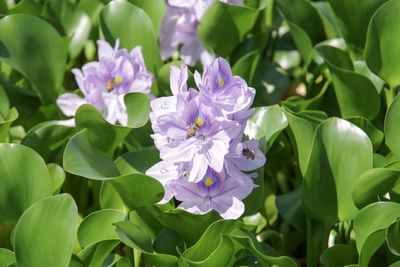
382,53
212,241
88,231
46,138
376,136
138,190
110,199
138,161
45,233
391,130
302,131
393,237
138,108
6,124
250,243
133,236
42,62
74,22
304,23
7,257
58,176
102,134
331,173
353,18
123,262
189,226
356,94
82,158
339,255
133,27
95,254
154,8
25,179
291,208
266,123
246,66
370,227
223,38
373,183
169,242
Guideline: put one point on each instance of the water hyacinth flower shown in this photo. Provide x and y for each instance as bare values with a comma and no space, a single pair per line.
105,83
199,135
179,27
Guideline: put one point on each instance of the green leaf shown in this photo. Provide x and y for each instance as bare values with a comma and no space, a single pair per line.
74,22
393,237
133,27
138,161
382,53
370,227
376,136
248,242
212,247
101,133
353,18
110,199
246,66
24,180
45,233
95,254
223,38
138,190
6,124
339,255
291,208
7,257
154,8
356,94
189,226
88,232
391,130
58,176
169,242
43,61
82,158
138,109
266,123
133,236
372,183
331,173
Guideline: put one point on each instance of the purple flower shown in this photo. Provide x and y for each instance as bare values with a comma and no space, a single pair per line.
199,135
215,191
105,83
228,94
179,27
196,136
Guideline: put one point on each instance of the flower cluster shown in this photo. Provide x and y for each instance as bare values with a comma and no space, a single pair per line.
105,83
179,27
199,135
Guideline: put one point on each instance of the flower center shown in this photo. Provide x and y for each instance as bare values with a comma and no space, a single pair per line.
221,81
208,181
113,81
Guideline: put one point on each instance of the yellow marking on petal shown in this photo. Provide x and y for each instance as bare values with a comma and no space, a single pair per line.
199,122
209,181
118,79
221,81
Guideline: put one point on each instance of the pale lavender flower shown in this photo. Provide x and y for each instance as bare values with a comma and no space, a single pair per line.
105,83
179,27
227,93
196,136
199,135
215,191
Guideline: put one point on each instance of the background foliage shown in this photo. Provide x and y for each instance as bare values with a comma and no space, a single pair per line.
327,114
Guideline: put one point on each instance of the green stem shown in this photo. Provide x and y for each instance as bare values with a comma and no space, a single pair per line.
136,256
317,240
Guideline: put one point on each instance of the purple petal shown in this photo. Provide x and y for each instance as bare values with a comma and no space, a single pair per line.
69,103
